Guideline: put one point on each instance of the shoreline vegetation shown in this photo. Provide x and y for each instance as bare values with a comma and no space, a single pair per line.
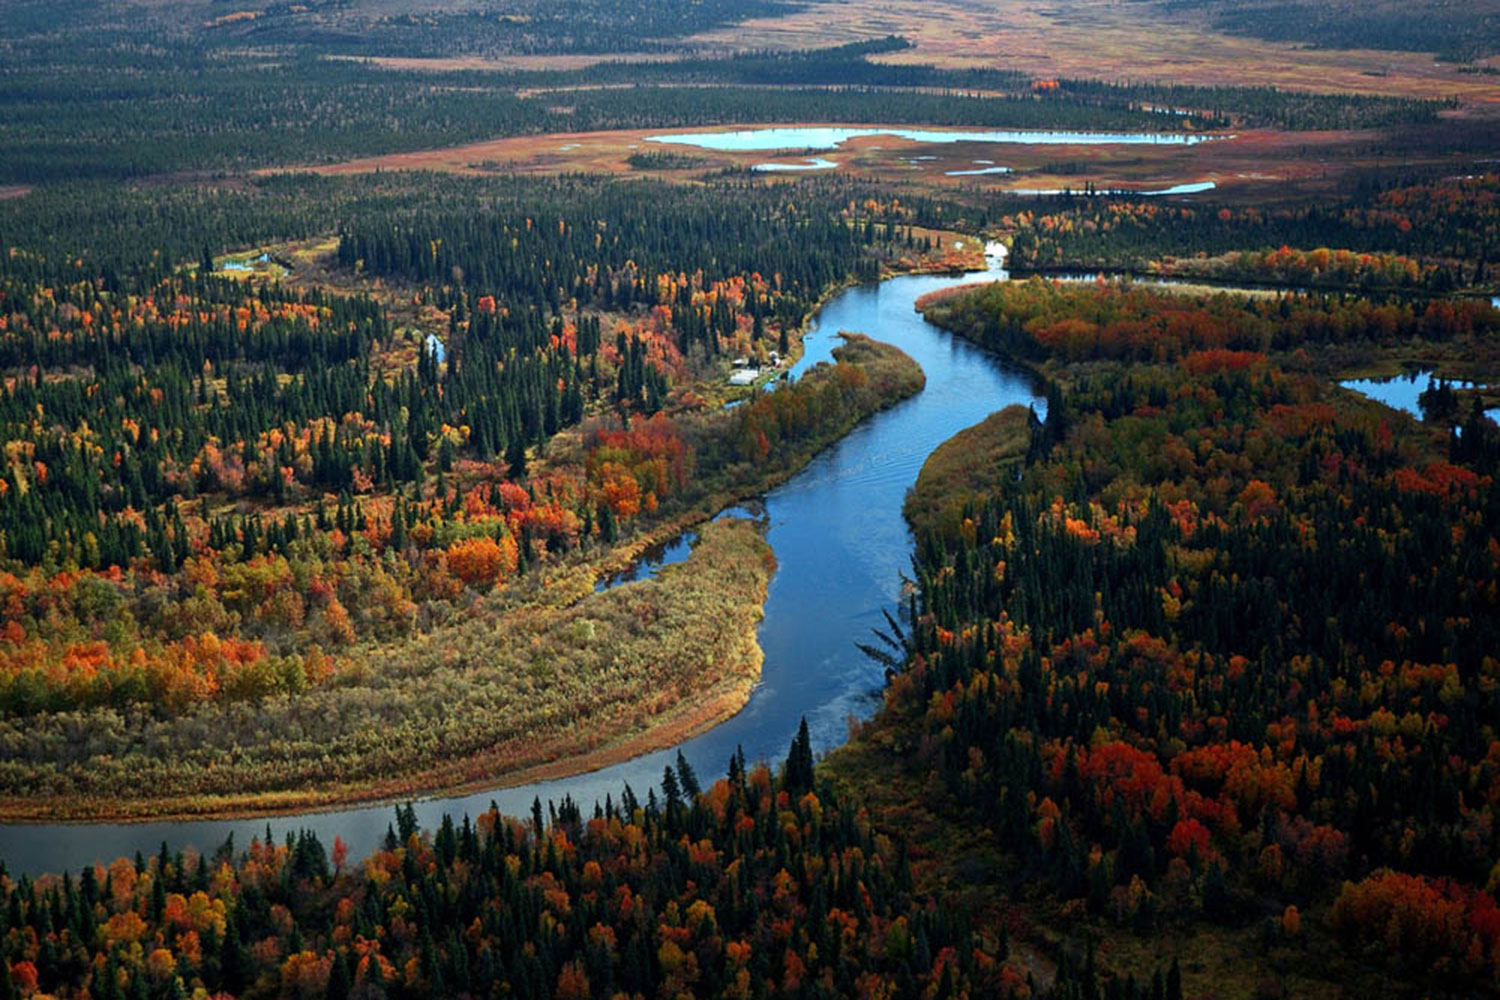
730,567
303,548
966,466
1096,554
709,606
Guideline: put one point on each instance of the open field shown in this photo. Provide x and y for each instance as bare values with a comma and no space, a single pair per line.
559,152
511,63
880,156
1254,166
1106,40
1098,39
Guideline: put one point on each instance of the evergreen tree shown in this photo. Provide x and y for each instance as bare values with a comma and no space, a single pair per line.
515,458
687,778
340,979
797,776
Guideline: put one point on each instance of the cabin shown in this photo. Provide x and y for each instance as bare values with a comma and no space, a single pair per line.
745,376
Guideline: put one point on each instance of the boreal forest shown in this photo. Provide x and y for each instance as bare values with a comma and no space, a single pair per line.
612,500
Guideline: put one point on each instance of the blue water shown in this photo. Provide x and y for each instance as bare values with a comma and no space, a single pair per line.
245,265
651,561
841,545
674,550
1196,187
811,163
832,137
1401,392
977,172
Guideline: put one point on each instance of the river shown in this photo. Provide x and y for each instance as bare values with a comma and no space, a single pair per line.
841,544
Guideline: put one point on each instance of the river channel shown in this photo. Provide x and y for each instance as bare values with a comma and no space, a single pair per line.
841,544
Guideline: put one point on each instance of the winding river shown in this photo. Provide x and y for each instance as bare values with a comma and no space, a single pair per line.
841,542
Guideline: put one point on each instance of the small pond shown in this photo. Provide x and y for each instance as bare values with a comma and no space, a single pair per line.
976,172
1195,187
246,265
811,163
1402,392
650,562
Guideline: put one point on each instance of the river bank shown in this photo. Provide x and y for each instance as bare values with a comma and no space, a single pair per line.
841,544
535,685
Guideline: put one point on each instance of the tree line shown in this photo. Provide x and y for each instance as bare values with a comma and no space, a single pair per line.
1219,645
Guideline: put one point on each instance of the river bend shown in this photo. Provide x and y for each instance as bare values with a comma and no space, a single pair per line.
841,544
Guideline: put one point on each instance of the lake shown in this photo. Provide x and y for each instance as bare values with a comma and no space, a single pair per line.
822,137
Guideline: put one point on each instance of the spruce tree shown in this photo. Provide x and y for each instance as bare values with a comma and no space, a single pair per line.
798,774
687,778
340,981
